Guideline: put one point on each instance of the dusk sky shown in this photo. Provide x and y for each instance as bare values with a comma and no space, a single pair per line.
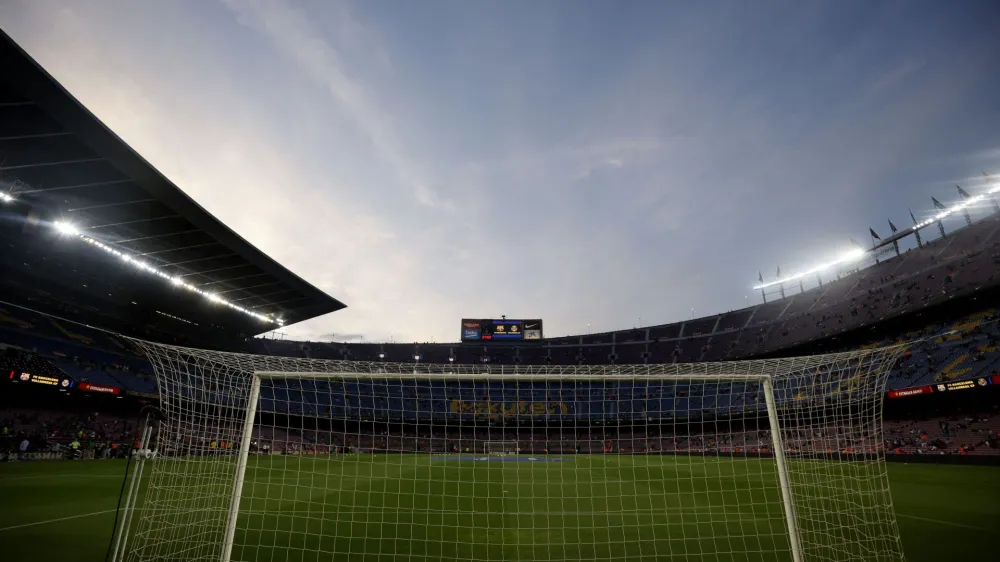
593,164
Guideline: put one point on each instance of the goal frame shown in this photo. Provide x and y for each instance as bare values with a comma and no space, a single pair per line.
253,399
486,445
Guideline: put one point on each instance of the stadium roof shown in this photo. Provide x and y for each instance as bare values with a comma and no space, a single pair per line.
58,162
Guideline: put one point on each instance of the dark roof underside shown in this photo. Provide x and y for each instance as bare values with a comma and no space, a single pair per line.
62,163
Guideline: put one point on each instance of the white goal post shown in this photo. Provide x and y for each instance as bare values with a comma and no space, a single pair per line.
778,459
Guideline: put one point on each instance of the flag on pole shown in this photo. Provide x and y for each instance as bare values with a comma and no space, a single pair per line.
962,192
760,277
938,204
893,227
912,217
873,233
779,272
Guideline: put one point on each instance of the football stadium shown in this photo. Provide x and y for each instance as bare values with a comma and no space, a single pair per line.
850,415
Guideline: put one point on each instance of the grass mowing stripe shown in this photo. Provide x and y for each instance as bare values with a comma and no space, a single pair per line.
400,508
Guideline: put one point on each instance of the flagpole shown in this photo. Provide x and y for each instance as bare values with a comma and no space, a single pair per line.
964,195
939,205
895,243
916,231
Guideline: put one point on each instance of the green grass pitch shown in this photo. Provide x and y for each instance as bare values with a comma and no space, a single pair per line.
410,507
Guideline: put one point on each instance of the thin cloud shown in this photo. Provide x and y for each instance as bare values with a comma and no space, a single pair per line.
429,161
290,31
896,76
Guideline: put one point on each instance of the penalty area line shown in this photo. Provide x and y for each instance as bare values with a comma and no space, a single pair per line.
940,522
56,520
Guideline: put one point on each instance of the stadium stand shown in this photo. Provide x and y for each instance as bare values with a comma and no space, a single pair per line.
51,432
42,275
962,349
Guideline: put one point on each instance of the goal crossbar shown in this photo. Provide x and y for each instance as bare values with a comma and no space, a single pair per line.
507,377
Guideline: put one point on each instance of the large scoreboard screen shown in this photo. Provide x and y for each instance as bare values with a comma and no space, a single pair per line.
501,330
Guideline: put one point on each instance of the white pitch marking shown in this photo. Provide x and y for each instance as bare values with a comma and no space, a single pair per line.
929,520
38,476
47,521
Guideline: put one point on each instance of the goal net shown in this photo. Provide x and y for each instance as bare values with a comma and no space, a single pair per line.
261,458
498,448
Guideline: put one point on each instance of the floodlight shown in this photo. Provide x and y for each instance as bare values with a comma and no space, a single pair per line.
847,257
6,197
66,228
69,229
852,255
857,254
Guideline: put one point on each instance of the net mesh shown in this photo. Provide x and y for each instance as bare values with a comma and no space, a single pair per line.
347,460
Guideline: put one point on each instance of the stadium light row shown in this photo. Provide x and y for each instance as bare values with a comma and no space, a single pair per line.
858,253
964,204
68,229
846,258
